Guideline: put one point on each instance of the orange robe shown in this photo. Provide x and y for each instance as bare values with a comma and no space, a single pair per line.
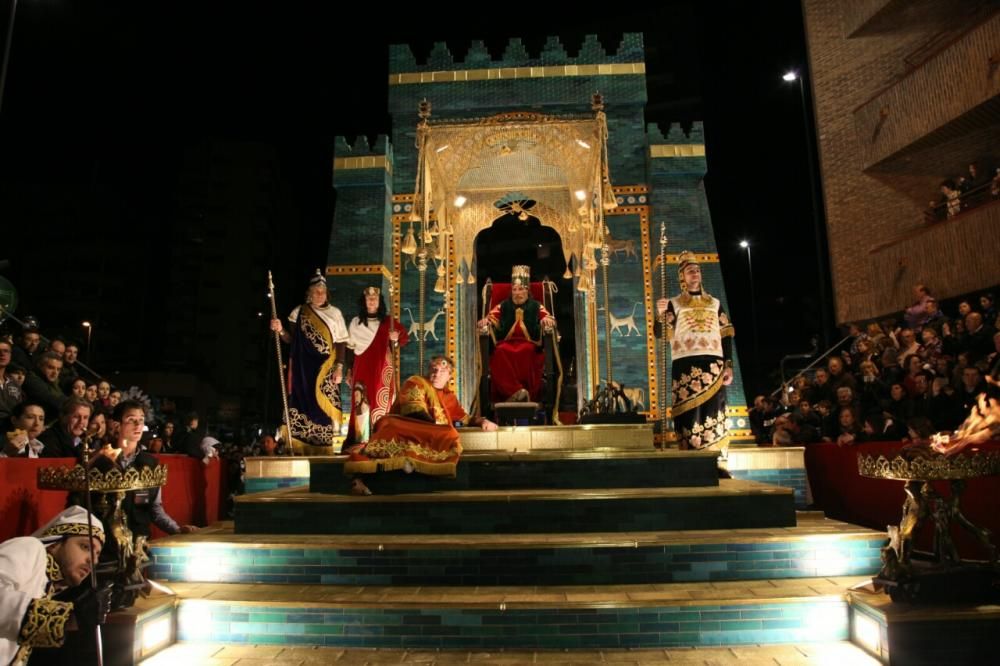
420,430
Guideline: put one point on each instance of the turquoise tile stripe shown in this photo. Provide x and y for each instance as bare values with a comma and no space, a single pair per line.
788,622
232,563
788,478
266,484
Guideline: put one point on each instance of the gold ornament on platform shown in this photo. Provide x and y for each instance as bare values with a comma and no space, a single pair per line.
113,480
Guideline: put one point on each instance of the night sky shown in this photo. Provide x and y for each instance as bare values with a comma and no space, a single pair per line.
103,104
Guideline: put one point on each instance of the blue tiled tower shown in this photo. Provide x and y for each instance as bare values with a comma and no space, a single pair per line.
656,178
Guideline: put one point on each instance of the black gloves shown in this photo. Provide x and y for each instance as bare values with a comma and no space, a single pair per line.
92,607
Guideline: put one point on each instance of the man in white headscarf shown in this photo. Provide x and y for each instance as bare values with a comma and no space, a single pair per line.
34,569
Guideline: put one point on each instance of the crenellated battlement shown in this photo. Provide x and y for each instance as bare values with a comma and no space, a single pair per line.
515,54
361,146
675,134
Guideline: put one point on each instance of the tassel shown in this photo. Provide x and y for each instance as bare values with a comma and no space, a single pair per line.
409,243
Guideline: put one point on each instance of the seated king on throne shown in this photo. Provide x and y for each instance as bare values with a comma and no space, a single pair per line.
516,325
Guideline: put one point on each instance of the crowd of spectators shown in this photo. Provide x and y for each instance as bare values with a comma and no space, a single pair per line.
972,189
899,378
51,405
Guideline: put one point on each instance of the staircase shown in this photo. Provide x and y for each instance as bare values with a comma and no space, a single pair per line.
600,550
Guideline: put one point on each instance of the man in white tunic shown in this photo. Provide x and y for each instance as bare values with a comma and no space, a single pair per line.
36,568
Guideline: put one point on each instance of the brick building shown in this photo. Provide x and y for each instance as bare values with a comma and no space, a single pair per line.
906,95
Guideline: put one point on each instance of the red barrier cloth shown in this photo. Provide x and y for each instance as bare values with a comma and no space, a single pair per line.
193,495
842,494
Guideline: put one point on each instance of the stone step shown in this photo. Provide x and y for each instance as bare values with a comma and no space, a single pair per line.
825,653
536,470
620,616
924,633
730,505
815,547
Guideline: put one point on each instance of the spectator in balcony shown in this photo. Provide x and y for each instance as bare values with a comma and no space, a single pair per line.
69,370
17,374
97,430
761,417
899,407
848,428
913,365
103,397
890,372
190,439
856,335
978,338
42,386
945,409
968,184
78,388
871,389
10,390
987,305
821,388
809,422
875,428
828,420
995,185
934,317
838,375
964,308
167,433
57,346
27,422
91,394
968,391
922,394
880,341
63,439
25,353
915,314
950,198
930,350
908,345
866,352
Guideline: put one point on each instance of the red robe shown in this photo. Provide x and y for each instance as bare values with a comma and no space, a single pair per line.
517,361
420,430
374,368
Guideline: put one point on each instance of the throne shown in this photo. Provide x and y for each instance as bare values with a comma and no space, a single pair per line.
507,413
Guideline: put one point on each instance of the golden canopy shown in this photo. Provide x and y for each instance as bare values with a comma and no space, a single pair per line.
466,167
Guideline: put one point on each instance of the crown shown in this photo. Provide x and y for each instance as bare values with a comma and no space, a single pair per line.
685,259
317,278
520,275
371,291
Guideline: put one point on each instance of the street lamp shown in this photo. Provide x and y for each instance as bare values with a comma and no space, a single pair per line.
789,77
90,329
745,244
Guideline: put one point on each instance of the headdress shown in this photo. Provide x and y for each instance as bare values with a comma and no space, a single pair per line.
521,275
70,522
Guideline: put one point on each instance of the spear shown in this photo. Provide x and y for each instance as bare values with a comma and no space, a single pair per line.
663,333
281,367
395,343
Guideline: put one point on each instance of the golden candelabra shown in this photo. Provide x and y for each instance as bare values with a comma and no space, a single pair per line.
941,574
112,485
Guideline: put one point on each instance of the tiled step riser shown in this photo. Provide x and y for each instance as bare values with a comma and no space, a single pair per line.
533,516
765,623
794,478
561,566
655,472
